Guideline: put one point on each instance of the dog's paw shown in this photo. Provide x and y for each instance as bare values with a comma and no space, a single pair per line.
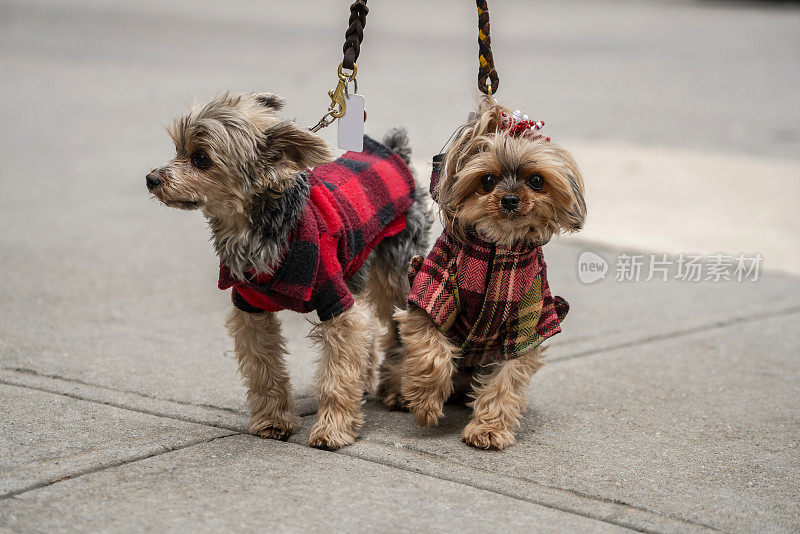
425,404
487,436
395,402
427,414
279,429
330,438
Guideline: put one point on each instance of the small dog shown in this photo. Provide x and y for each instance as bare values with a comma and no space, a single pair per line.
480,305
336,240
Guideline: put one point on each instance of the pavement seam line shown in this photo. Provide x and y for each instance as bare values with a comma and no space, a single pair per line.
487,487
643,341
120,406
126,406
111,465
349,451
233,431
714,325
33,372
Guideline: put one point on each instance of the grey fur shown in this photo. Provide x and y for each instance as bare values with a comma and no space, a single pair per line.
271,100
396,140
260,244
358,282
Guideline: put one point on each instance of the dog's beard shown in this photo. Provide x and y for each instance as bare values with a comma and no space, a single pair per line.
186,205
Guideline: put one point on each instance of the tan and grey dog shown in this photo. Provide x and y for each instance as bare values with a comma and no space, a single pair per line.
480,303
248,171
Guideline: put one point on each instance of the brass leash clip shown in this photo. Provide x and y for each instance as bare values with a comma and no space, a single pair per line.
338,97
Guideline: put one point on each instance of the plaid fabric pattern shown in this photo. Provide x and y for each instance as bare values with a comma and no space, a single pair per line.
493,302
354,202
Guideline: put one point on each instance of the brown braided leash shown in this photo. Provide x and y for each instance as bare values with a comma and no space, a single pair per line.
488,80
352,47
354,34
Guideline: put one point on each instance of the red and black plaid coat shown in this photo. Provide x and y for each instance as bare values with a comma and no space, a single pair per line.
354,202
493,302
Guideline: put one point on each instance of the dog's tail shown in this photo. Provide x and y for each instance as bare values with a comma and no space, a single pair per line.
396,140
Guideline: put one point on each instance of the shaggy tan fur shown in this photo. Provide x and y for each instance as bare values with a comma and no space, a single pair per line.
428,367
345,341
480,150
548,187
260,348
499,401
252,150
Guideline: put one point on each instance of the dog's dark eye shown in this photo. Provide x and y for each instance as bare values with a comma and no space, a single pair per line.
201,160
536,182
488,182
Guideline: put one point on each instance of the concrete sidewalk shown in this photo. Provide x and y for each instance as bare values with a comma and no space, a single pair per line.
664,407
684,422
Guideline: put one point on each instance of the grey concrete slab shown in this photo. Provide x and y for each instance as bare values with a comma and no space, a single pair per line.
693,432
242,483
48,437
117,305
204,414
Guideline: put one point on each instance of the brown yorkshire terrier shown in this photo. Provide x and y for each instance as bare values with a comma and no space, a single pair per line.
479,304
295,230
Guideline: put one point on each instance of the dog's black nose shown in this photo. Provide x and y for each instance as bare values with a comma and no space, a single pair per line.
152,180
510,202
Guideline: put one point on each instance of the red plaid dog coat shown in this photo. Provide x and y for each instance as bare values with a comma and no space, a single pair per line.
354,202
493,302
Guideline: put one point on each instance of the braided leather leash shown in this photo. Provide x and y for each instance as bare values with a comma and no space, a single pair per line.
352,47
488,80
354,34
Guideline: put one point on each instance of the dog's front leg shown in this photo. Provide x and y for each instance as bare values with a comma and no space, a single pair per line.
346,341
500,398
260,348
428,367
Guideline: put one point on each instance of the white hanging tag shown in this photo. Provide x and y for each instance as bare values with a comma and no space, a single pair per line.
351,125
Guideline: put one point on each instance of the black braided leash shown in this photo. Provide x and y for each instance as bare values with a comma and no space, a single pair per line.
355,33
488,80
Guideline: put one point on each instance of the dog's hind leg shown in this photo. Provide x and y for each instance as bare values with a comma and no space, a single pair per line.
373,359
260,347
345,342
387,289
499,401
390,380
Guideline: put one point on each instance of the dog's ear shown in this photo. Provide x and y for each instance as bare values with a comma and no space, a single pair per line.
270,100
288,141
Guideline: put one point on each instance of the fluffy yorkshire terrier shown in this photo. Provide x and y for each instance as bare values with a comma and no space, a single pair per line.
295,230
480,305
